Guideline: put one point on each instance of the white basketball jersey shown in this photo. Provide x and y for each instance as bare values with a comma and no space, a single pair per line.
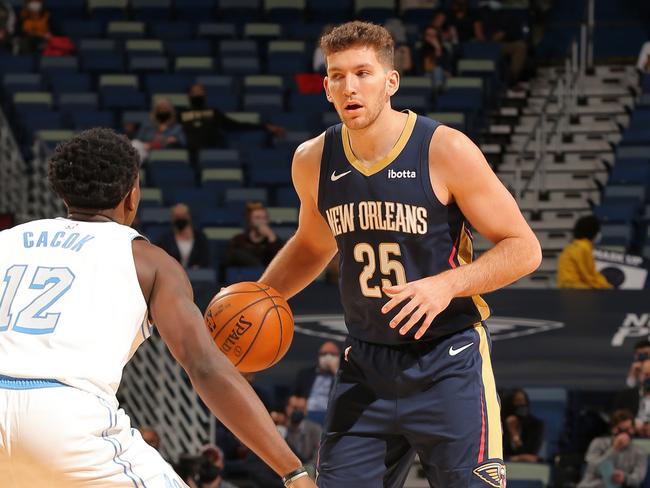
71,307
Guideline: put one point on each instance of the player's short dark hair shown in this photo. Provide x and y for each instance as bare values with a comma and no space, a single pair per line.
621,415
94,170
586,227
360,34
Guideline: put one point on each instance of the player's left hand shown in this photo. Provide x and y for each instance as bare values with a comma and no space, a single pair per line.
428,297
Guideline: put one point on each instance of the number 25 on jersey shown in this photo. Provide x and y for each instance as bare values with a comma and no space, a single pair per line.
364,253
35,318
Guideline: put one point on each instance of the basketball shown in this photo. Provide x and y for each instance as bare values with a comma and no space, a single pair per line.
251,324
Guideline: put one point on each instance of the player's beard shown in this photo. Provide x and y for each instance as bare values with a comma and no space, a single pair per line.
370,114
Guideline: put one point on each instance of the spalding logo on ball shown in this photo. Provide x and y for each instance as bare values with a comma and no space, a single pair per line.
252,324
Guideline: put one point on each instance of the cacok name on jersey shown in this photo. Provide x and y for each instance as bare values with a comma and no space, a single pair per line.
377,215
65,240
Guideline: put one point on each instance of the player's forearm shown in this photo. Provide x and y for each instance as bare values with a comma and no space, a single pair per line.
508,261
232,400
295,267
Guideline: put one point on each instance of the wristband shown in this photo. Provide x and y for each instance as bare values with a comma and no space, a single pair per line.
289,478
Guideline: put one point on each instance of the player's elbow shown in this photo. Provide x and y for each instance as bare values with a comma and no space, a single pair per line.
533,254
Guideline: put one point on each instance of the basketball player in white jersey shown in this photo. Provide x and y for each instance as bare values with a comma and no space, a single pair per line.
76,298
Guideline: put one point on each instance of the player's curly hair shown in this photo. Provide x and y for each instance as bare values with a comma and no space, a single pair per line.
94,170
358,33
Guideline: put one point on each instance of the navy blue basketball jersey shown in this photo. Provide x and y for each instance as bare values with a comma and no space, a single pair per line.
391,229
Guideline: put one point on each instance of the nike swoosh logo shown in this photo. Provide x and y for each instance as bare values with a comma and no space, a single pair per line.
453,352
335,177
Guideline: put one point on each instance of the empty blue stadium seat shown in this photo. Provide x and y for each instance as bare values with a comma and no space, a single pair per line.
219,216
167,82
269,177
147,64
331,12
86,120
481,50
123,98
162,29
235,274
263,103
219,158
242,195
70,82
616,211
16,64
240,10
83,28
187,47
195,10
106,63
167,176
78,101
286,196
35,120
13,82
196,198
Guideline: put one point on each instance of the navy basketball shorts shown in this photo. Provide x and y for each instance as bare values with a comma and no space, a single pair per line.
436,399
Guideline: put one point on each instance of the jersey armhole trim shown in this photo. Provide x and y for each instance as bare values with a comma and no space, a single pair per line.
424,165
324,166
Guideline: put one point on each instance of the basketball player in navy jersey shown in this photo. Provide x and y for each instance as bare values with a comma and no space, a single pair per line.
391,191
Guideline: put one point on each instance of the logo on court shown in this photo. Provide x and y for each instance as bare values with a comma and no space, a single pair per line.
494,474
332,326
335,177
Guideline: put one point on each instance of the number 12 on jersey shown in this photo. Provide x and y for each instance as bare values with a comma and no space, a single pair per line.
34,318
364,253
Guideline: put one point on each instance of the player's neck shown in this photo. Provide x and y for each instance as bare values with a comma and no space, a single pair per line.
373,143
86,215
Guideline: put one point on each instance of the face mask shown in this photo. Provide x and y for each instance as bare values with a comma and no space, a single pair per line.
328,361
282,429
646,385
163,117
180,224
197,102
297,416
521,411
34,6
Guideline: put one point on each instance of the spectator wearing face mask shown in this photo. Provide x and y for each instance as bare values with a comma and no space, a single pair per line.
188,245
303,435
206,127
637,399
209,476
524,433
161,132
614,460
641,354
258,244
315,383
576,267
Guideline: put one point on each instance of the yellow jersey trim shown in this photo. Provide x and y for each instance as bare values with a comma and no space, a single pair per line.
494,437
386,160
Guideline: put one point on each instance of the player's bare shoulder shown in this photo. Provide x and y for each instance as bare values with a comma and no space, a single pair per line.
447,144
306,164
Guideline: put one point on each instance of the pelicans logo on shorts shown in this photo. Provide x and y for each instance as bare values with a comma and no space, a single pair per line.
493,473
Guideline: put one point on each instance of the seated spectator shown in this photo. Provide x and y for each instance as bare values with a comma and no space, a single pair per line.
258,244
185,243
34,26
403,59
318,59
614,460
641,354
576,267
315,382
162,131
508,32
466,25
206,127
643,61
637,399
213,455
523,432
264,392
209,476
7,24
434,58
187,468
409,4
303,435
